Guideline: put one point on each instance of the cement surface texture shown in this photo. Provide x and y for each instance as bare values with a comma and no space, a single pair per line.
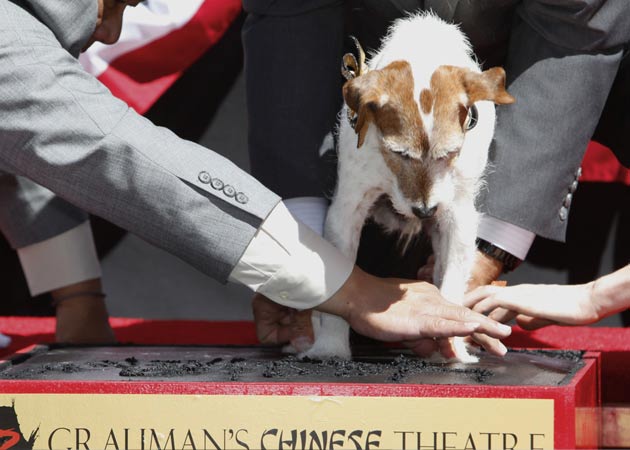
262,364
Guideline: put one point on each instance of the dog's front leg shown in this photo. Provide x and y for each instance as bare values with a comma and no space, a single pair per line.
344,223
454,246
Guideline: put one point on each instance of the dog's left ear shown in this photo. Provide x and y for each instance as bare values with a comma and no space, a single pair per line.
487,85
361,96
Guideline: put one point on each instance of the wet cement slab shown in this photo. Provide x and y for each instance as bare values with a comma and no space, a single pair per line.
262,364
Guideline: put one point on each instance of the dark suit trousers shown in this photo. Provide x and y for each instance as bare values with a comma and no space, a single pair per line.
293,52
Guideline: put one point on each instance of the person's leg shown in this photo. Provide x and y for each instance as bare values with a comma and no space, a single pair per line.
292,66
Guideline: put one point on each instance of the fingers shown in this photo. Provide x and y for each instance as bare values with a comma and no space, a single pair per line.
423,347
438,327
273,321
277,324
486,324
502,315
425,273
533,323
447,350
301,330
493,346
479,294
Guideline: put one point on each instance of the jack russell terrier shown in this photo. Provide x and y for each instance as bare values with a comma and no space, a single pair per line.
413,145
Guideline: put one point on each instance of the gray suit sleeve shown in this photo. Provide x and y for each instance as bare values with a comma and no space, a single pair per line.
31,213
62,129
561,64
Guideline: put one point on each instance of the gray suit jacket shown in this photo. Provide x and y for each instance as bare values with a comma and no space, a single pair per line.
64,130
561,64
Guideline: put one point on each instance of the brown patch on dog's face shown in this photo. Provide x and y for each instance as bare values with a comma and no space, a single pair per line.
385,98
426,101
455,90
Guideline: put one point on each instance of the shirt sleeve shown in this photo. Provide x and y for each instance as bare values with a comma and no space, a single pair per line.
311,211
511,238
65,259
289,263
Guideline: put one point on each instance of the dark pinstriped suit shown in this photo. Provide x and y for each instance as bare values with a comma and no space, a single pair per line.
562,58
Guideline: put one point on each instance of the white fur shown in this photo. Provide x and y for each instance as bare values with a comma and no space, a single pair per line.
426,42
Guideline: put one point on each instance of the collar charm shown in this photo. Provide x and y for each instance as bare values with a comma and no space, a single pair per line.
351,67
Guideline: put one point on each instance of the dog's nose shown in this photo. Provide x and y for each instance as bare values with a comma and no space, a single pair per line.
423,212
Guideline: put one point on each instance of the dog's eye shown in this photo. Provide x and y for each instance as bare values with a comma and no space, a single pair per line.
471,118
404,153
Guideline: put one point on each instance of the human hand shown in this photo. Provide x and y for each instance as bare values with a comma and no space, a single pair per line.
536,306
485,270
277,324
425,273
403,310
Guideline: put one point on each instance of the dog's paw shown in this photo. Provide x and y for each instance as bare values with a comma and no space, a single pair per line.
463,351
289,349
327,348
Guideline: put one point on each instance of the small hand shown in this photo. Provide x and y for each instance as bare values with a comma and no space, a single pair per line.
425,273
277,324
538,305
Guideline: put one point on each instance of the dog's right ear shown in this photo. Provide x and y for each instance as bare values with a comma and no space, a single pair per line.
361,96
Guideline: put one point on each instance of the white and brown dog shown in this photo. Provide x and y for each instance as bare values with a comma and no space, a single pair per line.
413,145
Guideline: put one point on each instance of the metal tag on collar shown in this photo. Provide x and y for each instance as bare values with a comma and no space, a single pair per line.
351,67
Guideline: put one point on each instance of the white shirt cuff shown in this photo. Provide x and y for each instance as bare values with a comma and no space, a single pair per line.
65,259
290,264
509,237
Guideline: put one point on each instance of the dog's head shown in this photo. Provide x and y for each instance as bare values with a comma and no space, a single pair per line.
421,138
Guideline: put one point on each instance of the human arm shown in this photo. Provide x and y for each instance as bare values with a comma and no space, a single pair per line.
67,132
580,304
67,267
300,271
54,243
541,139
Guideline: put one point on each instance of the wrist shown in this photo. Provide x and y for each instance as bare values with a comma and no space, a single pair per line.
505,261
490,267
609,294
342,303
